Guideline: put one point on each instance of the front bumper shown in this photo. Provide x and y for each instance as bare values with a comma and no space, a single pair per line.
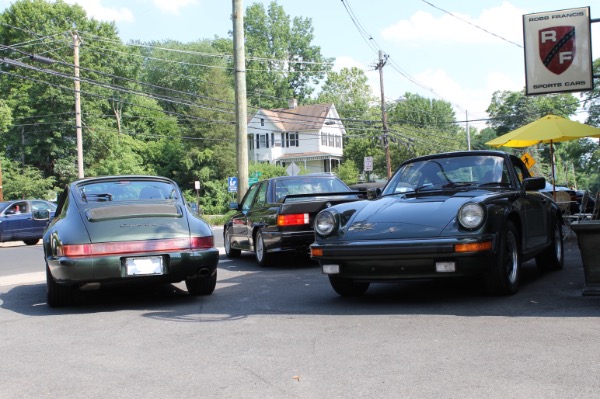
177,266
404,259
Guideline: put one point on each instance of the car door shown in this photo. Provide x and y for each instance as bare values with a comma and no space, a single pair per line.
17,222
535,211
239,221
258,214
38,226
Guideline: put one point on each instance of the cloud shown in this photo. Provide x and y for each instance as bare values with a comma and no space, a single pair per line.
96,10
173,6
422,27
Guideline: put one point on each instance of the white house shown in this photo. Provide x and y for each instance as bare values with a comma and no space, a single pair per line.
309,135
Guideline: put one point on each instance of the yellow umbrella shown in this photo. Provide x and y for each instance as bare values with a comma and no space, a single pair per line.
549,129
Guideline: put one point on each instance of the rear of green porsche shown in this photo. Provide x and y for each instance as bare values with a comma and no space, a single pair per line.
93,243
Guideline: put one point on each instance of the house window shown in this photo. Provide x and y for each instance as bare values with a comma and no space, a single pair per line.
250,143
292,140
262,122
331,141
338,141
263,141
323,138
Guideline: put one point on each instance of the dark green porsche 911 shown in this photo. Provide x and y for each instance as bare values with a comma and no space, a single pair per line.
471,213
125,229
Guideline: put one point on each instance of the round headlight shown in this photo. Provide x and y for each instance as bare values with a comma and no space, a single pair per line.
324,223
471,215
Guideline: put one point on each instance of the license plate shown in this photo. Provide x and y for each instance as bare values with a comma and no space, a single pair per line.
144,266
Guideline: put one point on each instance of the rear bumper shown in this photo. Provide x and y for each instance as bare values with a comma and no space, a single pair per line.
285,242
177,266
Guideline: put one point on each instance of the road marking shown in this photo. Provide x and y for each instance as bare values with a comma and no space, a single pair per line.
22,279
38,277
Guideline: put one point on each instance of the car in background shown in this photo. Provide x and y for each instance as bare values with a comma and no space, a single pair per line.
276,215
469,213
122,230
18,223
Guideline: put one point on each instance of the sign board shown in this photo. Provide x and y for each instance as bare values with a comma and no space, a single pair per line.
197,185
293,169
527,160
252,180
368,167
232,183
558,51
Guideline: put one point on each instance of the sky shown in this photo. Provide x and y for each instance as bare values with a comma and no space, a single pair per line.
456,51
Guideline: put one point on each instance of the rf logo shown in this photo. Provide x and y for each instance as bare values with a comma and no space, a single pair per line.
557,48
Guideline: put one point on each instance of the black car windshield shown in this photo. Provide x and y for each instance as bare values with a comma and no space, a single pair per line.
452,172
127,190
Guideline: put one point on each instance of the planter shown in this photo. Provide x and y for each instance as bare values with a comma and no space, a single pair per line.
588,239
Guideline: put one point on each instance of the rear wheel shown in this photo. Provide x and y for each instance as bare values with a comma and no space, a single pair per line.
504,276
230,252
552,257
31,242
348,287
58,295
201,285
260,251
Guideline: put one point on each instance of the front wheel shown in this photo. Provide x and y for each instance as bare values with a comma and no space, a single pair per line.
504,276
553,257
348,287
31,242
58,295
201,285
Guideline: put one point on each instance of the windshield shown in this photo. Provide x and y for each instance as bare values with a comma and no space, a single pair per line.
127,190
448,173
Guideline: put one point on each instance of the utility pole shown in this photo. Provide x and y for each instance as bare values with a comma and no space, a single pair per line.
468,131
382,60
239,58
1,189
76,43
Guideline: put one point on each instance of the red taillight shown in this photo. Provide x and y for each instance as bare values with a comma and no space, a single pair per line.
293,219
202,242
126,247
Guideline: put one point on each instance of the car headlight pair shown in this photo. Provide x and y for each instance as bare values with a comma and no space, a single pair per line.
471,215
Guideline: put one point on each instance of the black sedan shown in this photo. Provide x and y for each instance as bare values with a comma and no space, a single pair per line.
17,221
445,215
276,215
126,229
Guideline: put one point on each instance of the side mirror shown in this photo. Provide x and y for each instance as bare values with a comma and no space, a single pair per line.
41,214
533,183
373,193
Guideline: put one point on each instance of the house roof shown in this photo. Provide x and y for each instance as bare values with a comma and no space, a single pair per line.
305,117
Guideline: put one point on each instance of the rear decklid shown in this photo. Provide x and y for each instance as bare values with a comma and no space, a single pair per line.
135,221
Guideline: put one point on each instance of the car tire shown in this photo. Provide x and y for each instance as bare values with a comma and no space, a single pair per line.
348,287
31,242
260,251
199,286
58,295
504,276
552,258
230,252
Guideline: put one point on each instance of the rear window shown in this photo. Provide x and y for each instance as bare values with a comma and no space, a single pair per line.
308,185
127,190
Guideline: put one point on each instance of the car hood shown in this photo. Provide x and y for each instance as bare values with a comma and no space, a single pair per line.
132,222
400,218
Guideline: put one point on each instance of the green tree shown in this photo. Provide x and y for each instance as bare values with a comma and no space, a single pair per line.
348,172
281,62
349,90
26,182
